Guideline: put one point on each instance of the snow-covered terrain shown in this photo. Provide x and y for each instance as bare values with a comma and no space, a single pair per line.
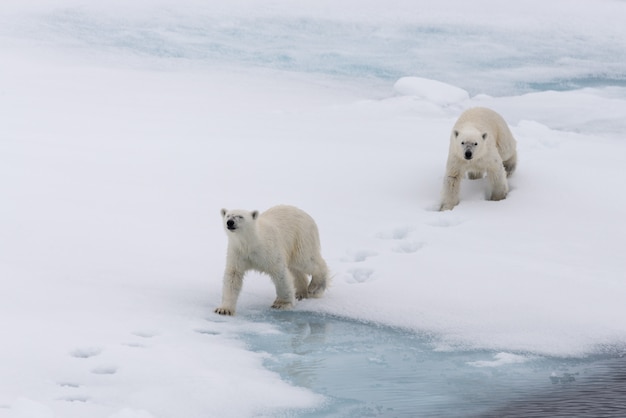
125,129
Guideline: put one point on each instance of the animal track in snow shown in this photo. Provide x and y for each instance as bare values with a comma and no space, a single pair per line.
145,334
87,352
135,345
444,222
74,398
104,370
401,232
408,247
69,385
360,275
359,256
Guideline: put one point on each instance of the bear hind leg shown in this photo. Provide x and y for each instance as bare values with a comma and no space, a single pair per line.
510,165
301,283
319,279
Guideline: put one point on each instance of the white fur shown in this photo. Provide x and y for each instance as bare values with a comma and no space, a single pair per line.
282,242
486,136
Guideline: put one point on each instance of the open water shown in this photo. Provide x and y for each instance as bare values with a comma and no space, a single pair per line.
368,370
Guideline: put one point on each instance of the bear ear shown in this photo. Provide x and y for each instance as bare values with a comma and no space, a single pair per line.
456,134
255,214
485,135
223,212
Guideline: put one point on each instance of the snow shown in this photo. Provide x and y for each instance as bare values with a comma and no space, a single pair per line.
500,359
122,139
430,90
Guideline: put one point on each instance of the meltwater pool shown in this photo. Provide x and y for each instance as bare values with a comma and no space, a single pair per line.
368,370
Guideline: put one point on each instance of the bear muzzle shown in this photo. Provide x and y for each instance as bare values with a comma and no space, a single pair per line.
468,155
230,225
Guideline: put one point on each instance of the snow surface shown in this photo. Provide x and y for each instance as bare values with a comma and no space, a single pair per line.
126,128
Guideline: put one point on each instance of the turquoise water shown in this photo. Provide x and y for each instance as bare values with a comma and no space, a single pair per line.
478,57
368,370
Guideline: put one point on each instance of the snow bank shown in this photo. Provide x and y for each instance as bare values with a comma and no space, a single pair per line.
434,91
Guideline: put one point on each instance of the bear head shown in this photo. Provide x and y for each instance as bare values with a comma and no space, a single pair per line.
469,143
238,220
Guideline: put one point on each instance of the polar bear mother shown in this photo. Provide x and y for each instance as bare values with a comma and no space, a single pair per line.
282,242
480,143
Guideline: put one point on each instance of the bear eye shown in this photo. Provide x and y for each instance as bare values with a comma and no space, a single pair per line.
462,142
475,143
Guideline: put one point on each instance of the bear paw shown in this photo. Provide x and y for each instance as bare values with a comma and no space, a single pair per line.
316,291
225,311
446,206
282,304
497,196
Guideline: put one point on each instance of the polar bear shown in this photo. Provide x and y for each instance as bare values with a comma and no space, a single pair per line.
480,143
282,242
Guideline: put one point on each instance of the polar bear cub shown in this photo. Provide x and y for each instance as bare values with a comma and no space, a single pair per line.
480,144
282,242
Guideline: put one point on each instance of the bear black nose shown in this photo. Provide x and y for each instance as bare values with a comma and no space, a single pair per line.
230,223
468,155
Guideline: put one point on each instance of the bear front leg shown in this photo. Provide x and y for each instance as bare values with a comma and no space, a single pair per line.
498,184
285,292
233,281
451,190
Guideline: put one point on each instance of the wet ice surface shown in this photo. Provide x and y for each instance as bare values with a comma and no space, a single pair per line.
366,369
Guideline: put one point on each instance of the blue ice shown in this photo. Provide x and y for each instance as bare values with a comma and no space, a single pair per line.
480,58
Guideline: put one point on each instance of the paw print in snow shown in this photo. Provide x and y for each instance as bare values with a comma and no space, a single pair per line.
360,275
396,233
87,352
408,247
359,256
